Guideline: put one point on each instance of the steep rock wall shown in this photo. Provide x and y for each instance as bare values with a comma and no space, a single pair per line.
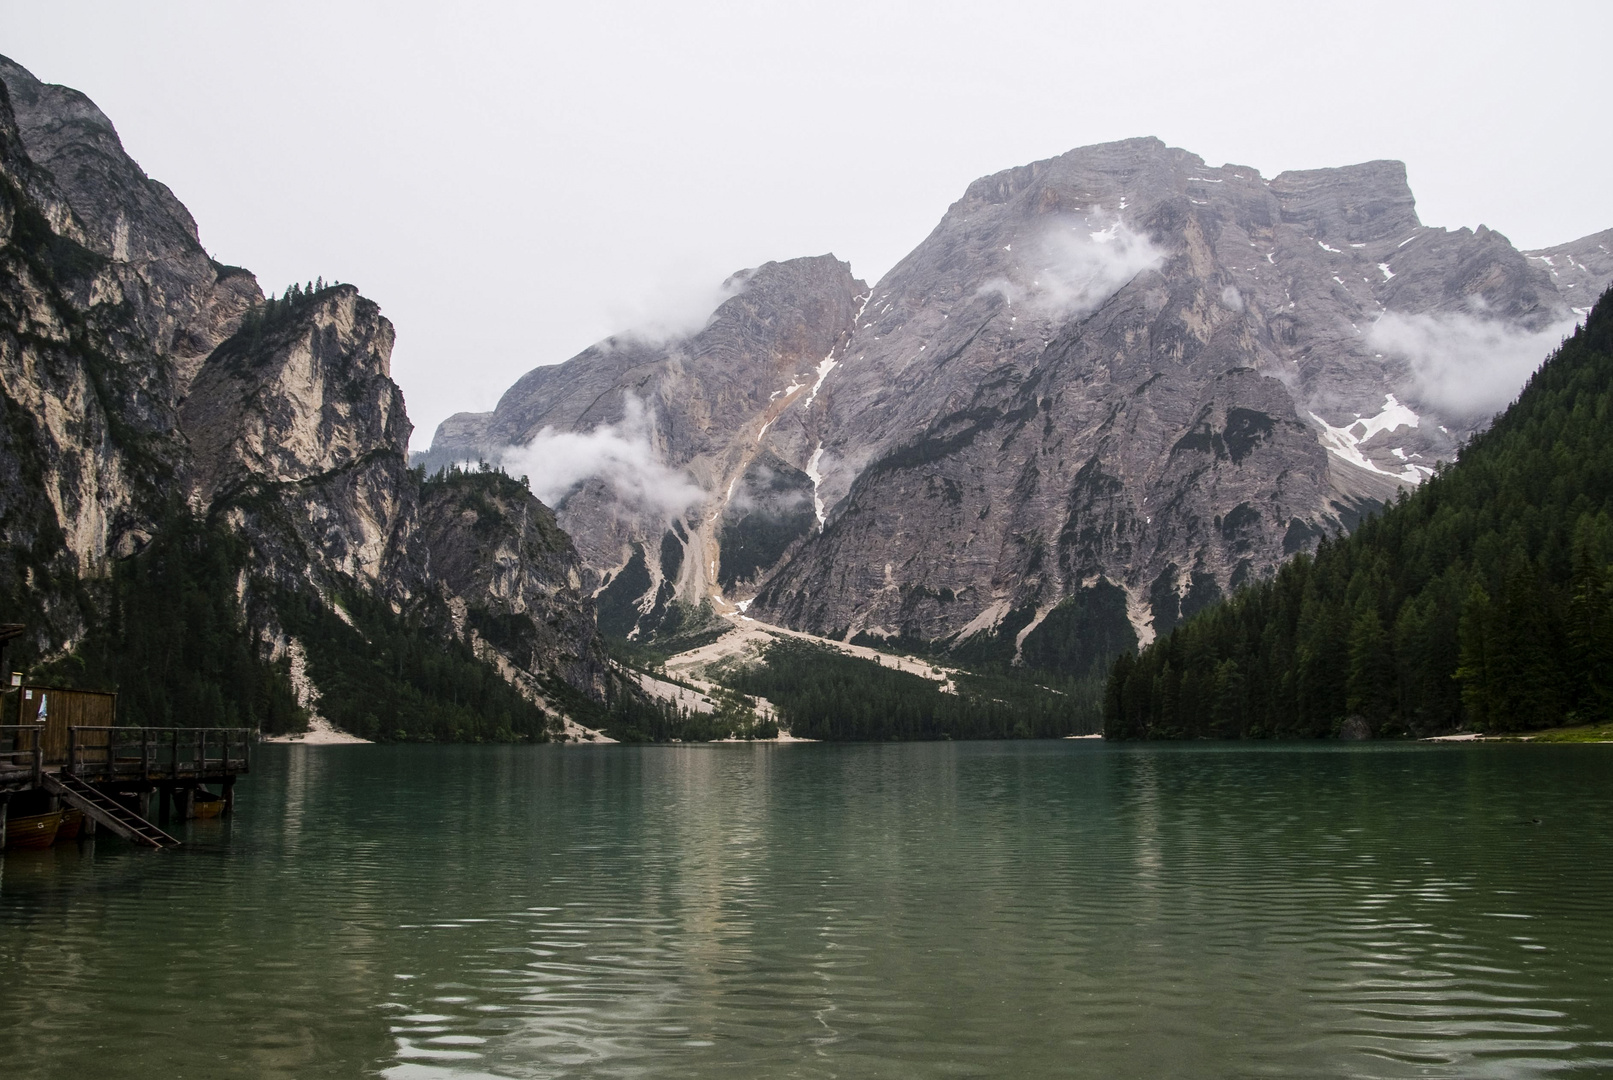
139,380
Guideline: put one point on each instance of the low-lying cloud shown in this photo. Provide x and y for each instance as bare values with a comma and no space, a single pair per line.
1466,365
764,493
622,455
677,308
1076,264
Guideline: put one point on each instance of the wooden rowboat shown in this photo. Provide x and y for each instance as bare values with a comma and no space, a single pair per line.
34,831
72,825
205,807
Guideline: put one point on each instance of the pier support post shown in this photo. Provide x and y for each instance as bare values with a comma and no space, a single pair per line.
229,795
165,800
185,800
5,803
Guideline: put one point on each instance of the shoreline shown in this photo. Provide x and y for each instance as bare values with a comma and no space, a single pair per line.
319,733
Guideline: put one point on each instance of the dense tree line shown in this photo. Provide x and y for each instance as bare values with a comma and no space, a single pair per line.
1483,600
822,693
173,643
631,717
400,678
176,647
276,311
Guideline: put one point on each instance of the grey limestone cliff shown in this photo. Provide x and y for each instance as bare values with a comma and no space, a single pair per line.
297,430
140,379
1108,386
711,406
1123,366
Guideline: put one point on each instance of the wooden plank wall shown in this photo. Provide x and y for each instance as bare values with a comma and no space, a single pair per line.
65,709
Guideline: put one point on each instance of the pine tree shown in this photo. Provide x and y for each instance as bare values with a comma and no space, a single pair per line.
1371,683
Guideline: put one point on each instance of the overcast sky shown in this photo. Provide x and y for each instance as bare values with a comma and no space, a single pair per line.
513,181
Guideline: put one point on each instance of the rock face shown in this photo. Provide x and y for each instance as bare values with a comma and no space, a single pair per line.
108,300
511,574
296,425
1579,268
139,379
1124,365
182,303
1111,385
712,407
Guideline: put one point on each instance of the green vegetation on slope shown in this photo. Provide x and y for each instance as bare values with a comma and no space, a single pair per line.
173,643
630,718
1483,600
821,693
399,678
176,648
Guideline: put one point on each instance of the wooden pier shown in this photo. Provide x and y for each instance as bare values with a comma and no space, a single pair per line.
66,754
67,768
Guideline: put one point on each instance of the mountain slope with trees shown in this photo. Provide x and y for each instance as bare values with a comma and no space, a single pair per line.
196,481
1484,600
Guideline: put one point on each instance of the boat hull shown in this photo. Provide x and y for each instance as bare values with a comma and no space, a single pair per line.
33,831
72,824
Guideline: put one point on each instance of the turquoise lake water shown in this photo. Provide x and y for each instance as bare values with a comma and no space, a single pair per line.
1060,909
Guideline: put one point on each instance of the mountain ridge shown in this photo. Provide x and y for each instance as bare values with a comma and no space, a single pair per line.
1118,365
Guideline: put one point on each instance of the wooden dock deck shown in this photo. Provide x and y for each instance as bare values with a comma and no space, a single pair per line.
109,773
106,755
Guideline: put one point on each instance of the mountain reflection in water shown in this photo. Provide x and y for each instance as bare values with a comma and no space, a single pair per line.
1034,909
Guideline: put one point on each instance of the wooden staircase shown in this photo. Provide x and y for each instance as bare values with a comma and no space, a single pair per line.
107,811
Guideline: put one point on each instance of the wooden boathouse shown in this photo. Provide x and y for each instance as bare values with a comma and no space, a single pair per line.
68,769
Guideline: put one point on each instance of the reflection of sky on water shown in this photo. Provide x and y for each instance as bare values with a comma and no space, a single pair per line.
422,913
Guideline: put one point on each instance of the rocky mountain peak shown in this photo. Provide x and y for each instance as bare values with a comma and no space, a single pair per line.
712,403
186,302
1107,386
127,215
152,393
1354,204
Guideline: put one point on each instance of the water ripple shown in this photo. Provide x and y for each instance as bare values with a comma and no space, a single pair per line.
427,913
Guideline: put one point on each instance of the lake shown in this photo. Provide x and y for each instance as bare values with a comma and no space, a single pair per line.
1057,909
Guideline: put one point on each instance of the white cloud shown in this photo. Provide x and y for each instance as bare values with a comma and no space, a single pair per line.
1467,366
621,454
676,308
756,493
1075,265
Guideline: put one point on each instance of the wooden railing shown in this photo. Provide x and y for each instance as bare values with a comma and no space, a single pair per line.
24,739
157,753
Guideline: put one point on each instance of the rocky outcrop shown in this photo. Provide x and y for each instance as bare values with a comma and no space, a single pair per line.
296,426
510,575
700,406
140,380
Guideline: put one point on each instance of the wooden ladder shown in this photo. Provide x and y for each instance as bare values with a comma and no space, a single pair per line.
107,811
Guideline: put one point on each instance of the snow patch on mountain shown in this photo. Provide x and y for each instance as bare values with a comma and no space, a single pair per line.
1346,444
